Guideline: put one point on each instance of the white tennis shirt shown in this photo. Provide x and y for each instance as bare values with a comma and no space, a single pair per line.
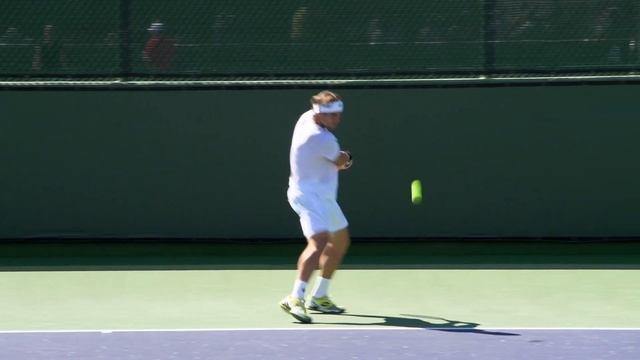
313,152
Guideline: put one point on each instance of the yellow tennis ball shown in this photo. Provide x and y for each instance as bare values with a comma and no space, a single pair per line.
416,192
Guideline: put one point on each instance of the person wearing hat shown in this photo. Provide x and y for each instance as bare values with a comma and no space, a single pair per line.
315,159
159,50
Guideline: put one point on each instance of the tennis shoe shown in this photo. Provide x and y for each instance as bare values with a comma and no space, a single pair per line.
295,307
324,305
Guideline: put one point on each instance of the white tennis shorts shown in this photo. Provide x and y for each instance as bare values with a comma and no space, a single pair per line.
317,214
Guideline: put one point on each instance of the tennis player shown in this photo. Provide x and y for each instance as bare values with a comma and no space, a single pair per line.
315,159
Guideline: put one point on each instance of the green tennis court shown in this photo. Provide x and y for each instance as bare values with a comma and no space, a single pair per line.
123,286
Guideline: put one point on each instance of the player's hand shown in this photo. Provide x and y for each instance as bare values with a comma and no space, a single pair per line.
349,162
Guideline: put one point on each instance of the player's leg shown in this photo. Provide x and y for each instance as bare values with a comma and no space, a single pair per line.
307,263
312,254
314,223
334,252
339,242
330,260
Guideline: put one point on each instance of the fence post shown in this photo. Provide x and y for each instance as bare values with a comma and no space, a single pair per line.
489,36
125,39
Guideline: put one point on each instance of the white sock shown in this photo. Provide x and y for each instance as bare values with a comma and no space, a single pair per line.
321,288
299,287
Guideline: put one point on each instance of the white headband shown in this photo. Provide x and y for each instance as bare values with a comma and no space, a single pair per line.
332,107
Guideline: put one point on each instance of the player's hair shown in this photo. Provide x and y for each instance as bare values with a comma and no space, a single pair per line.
324,97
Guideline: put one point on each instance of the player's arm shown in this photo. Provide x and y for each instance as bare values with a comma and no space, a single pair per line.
331,151
344,160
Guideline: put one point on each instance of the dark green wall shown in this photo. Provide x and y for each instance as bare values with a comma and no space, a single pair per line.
520,161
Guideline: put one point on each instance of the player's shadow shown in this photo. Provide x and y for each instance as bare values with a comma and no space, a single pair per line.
418,321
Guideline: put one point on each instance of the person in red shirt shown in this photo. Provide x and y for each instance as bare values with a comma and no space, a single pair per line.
159,50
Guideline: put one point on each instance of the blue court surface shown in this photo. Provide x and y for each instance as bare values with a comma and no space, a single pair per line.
325,343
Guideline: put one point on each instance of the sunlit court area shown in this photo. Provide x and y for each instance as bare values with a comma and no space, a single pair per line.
319,180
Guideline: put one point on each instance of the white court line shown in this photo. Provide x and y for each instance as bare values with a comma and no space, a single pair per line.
364,328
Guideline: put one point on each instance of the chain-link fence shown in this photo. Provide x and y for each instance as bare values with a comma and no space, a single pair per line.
84,40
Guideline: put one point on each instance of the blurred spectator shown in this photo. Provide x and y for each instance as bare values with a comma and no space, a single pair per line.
10,36
297,22
614,29
159,50
48,56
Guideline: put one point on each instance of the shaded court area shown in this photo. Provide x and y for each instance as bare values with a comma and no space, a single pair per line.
434,343
150,254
